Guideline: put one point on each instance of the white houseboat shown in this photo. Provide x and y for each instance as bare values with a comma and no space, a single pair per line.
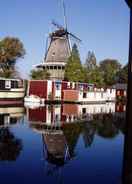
11,91
43,91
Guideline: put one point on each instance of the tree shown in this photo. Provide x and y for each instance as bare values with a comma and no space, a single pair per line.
91,61
11,49
94,76
109,69
122,75
39,74
74,70
92,71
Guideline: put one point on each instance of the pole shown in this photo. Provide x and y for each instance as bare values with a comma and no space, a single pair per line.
64,14
127,164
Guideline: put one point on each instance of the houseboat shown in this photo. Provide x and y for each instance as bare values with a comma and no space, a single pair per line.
54,91
11,91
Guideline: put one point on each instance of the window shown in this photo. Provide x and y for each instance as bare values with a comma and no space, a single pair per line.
7,84
84,110
14,84
51,67
53,54
58,85
84,95
118,93
125,93
68,85
2,84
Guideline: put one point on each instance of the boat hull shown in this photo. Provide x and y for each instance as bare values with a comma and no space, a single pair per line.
12,97
15,94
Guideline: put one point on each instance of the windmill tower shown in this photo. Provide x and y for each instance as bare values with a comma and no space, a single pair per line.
58,49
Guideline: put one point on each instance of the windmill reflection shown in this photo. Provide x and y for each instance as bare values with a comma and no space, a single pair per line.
10,146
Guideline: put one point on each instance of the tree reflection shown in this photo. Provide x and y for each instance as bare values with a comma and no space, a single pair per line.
106,127
89,130
10,146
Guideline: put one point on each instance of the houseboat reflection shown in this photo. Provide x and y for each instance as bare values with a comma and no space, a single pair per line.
10,146
10,115
59,114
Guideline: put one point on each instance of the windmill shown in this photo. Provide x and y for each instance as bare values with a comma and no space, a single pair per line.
58,48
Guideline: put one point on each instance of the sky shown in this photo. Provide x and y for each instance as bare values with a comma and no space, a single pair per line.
102,25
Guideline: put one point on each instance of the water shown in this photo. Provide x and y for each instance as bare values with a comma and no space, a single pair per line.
62,144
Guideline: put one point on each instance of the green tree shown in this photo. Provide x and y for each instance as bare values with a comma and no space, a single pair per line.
92,71
11,49
74,70
39,74
122,75
109,69
94,76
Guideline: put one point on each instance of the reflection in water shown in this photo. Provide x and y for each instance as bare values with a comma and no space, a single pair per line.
127,162
10,115
56,152
10,146
60,140
61,127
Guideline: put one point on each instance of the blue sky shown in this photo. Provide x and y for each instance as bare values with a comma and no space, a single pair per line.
102,25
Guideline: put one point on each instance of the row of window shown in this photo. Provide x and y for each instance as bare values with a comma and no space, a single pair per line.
7,84
85,95
54,67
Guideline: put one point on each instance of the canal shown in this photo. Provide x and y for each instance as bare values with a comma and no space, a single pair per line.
58,144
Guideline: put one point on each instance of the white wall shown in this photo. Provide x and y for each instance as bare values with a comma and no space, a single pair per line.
98,96
97,108
93,96
111,94
58,91
49,88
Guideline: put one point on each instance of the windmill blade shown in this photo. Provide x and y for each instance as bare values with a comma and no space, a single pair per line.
46,46
57,25
75,37
64,14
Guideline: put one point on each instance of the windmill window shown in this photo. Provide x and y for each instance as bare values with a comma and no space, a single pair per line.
55,67
53,54
59,67
51,67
